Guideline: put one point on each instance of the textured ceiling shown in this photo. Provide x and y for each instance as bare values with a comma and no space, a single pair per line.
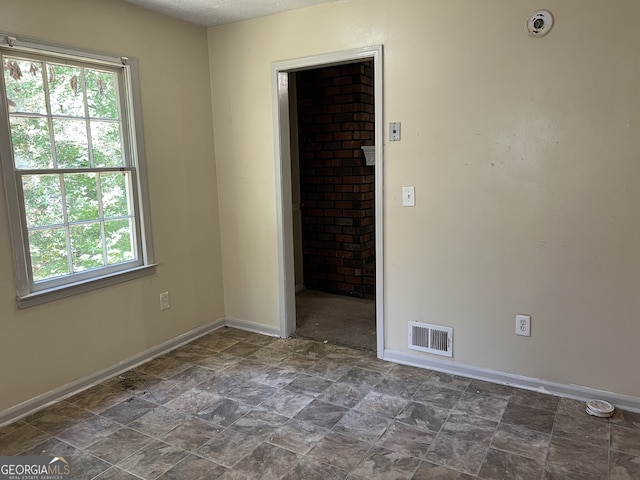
217,12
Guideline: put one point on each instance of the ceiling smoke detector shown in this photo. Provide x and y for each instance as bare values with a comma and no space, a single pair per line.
539,23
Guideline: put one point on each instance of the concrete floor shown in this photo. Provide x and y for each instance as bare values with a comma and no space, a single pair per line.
336,319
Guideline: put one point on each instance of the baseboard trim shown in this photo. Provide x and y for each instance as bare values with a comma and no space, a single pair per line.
577,392
41,401
251,326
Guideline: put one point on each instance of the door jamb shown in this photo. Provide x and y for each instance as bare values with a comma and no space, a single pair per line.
280,93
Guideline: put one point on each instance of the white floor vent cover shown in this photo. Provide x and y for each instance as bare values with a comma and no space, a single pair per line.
431,338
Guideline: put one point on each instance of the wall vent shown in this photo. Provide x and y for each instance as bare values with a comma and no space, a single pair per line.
431,338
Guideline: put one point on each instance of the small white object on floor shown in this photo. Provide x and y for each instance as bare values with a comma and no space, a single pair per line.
600,408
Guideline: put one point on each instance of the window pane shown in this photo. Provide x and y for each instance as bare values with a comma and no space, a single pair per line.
81,191
65,90
25,90
107,147
102,96
86,247
48,253
72,150
42,200
31,142
120,241
115,194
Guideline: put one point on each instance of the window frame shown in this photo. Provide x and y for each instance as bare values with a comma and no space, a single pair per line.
27,292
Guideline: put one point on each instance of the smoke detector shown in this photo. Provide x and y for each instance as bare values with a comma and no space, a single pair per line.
539,23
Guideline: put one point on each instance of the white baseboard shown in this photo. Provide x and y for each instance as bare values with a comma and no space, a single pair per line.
41,401
625,402
577,392
251,326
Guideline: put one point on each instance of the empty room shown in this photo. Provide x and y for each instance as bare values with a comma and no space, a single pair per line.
464,175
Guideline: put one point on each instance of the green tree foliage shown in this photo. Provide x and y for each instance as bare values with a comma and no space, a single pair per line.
67,117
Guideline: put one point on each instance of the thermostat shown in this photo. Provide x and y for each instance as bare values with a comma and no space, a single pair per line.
539,23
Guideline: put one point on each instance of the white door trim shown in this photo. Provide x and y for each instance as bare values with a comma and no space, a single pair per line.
280,92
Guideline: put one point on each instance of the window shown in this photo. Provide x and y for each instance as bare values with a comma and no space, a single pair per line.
72,166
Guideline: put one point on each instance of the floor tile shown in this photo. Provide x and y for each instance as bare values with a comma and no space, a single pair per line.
286,403
382,404
252,393
470,427
542,401
383,464
446,380
624,467
626,419
508,466
362,426
576,456
308,385
193,401
275,376
625,440
585,429
488,388
99,398
361,379
321,413
398,387
425,417
237,405
224,412
119,445
340,451
481,405
191,434
128,410
406,440
309,469
21,439
267,462
437,395
457,453
342,394
259,423
298,437
153,460
85,434
521,441
115,473
527,417
228,447
431,471
194,468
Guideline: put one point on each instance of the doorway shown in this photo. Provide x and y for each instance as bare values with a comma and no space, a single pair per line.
332,124
330,239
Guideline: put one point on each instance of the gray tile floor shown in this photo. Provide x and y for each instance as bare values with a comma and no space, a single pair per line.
238,405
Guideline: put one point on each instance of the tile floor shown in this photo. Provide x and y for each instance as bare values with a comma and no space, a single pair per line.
238,405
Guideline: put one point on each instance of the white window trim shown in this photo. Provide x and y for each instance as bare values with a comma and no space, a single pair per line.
25,297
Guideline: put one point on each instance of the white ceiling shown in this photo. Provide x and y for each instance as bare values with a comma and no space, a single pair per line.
217,12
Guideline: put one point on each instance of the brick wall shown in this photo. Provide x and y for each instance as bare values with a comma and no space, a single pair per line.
336,118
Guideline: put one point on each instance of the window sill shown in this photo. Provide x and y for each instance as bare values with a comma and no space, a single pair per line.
50,295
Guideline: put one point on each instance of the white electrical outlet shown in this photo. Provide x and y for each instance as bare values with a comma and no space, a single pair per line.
164,301
523,325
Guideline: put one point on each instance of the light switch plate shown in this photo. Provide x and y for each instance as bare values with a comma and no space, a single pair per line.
408,197
394,132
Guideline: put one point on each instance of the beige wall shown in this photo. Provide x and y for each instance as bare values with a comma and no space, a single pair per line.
524,155
44,347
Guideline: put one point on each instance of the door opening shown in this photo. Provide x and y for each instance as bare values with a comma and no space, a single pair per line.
332,117
330,214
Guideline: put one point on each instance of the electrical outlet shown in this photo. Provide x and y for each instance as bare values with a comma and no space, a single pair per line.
523,325
164,301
